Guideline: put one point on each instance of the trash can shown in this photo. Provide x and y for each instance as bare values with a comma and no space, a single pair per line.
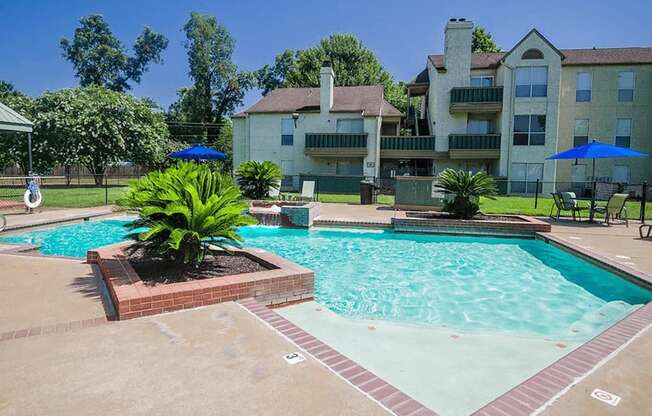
366,192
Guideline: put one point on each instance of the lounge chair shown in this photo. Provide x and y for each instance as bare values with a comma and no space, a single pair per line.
643,227
307,191
565,202
614,208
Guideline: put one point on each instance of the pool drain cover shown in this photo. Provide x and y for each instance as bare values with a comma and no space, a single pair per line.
605,396
294,358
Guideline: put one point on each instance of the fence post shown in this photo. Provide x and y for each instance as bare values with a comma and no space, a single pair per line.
536,195
106,190
643,201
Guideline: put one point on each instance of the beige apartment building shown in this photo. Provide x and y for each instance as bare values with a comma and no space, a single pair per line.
502,113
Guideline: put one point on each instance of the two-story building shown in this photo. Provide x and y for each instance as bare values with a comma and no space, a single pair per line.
319,131
502,113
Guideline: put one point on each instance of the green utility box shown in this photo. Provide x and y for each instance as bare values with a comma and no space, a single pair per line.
418,193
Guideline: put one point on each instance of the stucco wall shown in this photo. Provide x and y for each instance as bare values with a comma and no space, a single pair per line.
602,112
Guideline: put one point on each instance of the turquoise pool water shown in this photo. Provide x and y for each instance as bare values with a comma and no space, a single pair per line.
469,283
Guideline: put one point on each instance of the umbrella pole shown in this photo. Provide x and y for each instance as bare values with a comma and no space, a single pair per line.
592,212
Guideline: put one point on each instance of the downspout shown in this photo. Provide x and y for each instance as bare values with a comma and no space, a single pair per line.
29,153
510,123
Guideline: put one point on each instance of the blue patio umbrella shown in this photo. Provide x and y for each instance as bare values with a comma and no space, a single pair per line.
597,150
198,153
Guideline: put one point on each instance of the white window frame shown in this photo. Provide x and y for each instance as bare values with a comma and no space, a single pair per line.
530,70
527,180
577,85
483,77
629,135
285,132
633,89
341,122
575,132
529,130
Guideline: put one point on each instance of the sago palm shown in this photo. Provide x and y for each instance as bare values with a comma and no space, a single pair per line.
257,178
181,209
467,189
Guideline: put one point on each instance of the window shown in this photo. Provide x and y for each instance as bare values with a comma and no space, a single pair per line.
532,81
482,81
581,135
623,132
350,125
529,130
583,83
287,169
348,167
621,174
578,173
626,86
287,132
478,126
524,177
532,54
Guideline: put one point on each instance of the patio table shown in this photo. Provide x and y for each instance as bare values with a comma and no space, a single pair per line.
592,200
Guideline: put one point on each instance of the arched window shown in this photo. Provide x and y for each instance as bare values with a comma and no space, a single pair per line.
532,54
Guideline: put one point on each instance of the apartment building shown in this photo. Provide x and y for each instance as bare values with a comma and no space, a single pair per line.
502,113
505,112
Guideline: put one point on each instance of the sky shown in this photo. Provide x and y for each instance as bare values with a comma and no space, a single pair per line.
401,33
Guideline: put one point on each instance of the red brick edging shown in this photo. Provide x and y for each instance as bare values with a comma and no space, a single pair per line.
284,282
54,328
394,400
544,386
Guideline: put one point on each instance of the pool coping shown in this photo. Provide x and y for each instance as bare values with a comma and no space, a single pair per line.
11,228
374,387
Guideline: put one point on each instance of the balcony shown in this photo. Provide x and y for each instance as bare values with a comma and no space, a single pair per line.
336,144
476,100
474,146
413,147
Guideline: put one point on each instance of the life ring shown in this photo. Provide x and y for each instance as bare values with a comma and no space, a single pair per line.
27,199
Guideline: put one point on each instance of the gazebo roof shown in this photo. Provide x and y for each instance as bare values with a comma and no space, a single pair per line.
12,121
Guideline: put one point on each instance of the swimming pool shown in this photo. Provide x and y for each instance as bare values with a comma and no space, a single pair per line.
524,287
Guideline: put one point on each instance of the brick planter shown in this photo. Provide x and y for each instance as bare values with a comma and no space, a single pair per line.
501,226
291,214
284,282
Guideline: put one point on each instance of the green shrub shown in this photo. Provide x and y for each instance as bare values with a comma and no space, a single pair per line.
182,208
467,189
257,178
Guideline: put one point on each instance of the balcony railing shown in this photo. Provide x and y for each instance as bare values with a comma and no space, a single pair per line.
336,140
474,142
466,95
407,143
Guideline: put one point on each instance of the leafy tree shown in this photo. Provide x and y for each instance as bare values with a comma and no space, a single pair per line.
183,207
467,189
353,64
482,41
257,178
99,58
97,127
218,86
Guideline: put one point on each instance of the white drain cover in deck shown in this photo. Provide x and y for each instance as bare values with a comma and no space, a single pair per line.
605,396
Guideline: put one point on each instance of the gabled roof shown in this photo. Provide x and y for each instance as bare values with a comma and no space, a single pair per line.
537,33
593,56
367,100
12,121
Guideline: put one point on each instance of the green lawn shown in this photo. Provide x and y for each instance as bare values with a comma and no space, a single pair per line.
90,196
79,197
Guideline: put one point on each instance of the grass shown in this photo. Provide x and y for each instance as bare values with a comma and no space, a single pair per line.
79,197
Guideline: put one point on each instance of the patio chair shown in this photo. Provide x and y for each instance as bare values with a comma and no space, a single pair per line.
643,227
307,191
614,208
565,203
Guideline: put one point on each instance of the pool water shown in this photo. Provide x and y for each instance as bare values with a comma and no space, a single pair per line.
525,287
74,240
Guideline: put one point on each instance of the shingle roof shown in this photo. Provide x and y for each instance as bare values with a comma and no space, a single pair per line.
367,100
11,120
597,56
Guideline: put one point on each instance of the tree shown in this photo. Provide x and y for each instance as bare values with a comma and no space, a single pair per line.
99,58
482,41
218,86
466,189
97,127
257,178
353,64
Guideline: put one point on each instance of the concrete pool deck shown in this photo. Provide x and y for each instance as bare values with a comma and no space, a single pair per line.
213,360
53,215
626,373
